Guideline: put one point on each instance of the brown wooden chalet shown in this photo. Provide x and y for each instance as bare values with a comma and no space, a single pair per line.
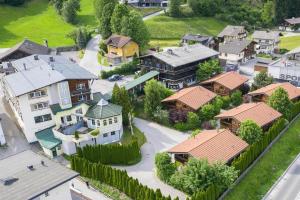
24,49
226,83
262,114
189,99
178,66
264,93
212,145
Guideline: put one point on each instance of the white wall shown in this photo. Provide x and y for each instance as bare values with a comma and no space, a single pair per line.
2,138
232,58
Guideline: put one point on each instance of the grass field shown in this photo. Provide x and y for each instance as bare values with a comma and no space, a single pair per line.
290,42
265,173
167,31
37,20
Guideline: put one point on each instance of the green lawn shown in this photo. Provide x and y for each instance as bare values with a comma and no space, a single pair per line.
37,20
128,137
290,42
265,173
168,28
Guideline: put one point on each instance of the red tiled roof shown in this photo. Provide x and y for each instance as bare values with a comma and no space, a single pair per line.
292,91
118,40
260,113
231,80
194,97
213,145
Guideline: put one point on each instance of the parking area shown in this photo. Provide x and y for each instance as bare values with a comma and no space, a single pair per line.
105,86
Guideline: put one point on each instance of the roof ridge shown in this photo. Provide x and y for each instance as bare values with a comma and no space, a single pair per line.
254,105
217,131
190,89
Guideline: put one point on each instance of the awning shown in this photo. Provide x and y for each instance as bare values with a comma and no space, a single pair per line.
46,138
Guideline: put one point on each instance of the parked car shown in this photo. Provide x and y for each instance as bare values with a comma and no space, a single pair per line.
231,67
115,77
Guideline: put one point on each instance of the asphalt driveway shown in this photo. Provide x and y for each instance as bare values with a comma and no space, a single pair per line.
159,138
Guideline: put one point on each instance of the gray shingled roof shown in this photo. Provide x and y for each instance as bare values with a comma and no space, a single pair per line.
267,35
31,183
28,47
196,37
293,20
234,47
43,72
231,31
118,40
185,55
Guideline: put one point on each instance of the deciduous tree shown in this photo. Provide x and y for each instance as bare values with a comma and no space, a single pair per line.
208,69
279,100
250,131
120,11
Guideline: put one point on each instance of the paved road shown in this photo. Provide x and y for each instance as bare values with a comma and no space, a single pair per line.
159,139
153,15
288,185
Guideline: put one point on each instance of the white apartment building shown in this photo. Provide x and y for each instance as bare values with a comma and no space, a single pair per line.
41,85
267,41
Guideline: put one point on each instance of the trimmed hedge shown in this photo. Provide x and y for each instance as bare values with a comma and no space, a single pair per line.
114,154
115,178
211,193
246,158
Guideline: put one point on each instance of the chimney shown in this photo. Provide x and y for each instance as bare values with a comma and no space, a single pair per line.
51,59
24,65
36,57
170,51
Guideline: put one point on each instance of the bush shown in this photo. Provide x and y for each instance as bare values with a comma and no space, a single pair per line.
165,167
115,178
80,36
212,193
245,159
295,110
124,69
236,98
226,102
102,47
69,10
279,100
111,154
193,120
207,112
250,131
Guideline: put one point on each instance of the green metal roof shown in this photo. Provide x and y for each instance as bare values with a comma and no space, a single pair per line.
55,108
141,80
105,111
46,138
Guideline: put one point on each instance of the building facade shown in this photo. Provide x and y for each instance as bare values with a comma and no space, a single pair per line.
267,41
178,66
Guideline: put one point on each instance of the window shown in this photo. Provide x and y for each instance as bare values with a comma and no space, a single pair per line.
105,135
42,118
80,86
115,119
37,94
93,122
79,111
110,120
40,106
69,118
104,122
82,98
113,133
98,122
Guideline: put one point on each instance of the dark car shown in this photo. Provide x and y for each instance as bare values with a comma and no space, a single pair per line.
115,77
231,67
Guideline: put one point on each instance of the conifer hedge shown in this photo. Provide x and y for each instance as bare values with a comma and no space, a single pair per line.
246,158
113,154
211,193
115,178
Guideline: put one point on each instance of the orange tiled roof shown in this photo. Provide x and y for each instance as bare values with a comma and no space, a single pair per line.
231,80
292,91
260,113
194,97
213,145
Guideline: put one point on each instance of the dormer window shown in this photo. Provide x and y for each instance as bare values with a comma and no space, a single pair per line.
80,86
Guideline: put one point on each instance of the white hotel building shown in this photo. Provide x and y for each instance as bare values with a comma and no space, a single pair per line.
52,101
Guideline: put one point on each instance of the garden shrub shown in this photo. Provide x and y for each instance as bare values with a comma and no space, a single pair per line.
226,102
236,98
124,69
164,166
